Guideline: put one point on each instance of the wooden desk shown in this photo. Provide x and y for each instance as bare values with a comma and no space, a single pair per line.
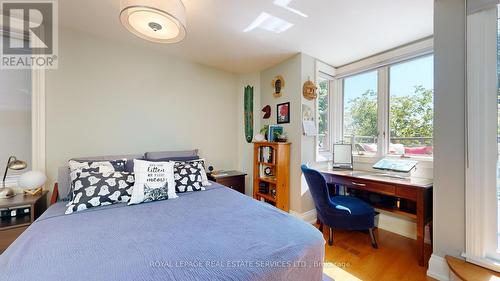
418,190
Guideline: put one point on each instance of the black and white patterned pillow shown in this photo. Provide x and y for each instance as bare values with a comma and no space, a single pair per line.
189,176
100,189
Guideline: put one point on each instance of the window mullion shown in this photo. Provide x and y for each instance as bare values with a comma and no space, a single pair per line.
383,111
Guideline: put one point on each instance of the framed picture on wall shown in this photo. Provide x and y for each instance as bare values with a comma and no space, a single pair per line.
283,113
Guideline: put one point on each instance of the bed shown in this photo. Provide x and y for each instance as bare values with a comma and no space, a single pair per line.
216,234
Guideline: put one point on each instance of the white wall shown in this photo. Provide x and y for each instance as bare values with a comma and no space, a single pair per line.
449,127
110,98
291,72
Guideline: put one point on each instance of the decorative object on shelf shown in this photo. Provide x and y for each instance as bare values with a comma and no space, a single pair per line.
248,107
32,182
12,164
259,138
211,170
309,90
268,171
267,111
283,113
273,193
264,130
281,137
278,85
273,132
156,21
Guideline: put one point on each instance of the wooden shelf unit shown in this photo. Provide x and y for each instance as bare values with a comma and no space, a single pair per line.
280,181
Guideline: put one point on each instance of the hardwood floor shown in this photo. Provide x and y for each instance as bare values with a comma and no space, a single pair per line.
351,258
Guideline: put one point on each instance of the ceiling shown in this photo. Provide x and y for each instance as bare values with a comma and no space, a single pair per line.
335,31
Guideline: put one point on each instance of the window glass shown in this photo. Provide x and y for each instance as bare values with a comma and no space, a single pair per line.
360,112
323,114
411,107
15,118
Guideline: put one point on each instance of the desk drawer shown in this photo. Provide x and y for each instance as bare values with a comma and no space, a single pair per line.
372,186
407,192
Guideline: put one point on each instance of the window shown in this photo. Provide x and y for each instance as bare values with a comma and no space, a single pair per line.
411,107
389,110
323,114
360,112
15,119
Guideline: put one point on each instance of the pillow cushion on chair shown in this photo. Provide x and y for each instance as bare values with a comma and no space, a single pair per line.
99,189
154,181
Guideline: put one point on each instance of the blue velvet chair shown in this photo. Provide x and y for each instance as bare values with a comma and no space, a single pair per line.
339,212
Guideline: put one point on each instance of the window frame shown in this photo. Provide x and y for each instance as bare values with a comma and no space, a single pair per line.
325,72
327,148
383,108
38,150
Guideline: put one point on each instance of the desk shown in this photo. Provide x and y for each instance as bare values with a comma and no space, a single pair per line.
418,190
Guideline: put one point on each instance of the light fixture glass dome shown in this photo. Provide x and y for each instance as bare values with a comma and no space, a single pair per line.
161,21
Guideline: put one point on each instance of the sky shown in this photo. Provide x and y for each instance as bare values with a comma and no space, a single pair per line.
403,79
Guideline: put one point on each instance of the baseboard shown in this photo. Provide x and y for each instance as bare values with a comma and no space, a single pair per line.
309,216
438,268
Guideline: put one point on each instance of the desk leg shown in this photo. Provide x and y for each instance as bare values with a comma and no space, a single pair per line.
420,226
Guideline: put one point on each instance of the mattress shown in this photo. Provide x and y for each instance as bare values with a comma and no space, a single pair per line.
217,234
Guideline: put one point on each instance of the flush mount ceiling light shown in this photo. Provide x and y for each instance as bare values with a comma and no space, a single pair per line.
161,21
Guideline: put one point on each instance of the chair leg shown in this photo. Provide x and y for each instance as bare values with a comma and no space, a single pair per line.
330,237
372,238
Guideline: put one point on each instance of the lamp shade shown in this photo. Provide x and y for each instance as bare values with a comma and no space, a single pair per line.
32,179
161,21
17,165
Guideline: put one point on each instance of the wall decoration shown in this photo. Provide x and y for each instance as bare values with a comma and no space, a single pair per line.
278,85
248,107
283,113
309,90
308,123
274,132
267,111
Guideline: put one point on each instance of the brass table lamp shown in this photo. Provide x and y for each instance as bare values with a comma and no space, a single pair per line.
12,164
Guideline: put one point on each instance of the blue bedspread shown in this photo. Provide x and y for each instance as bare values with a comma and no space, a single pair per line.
216,234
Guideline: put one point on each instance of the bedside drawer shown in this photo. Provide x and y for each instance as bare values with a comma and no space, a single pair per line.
8,236
236,183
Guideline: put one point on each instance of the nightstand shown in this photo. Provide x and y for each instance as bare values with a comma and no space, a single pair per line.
232,179
12,226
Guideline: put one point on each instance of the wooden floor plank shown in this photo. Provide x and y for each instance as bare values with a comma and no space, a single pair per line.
352,258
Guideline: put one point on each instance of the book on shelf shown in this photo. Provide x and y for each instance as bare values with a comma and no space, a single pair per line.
266,154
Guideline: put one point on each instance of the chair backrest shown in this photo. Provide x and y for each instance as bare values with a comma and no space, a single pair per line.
318,188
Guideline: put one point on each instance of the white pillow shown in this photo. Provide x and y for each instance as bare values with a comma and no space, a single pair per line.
153,181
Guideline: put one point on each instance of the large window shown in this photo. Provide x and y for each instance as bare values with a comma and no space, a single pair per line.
360,112
411,107
323,114
15,119
389,110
